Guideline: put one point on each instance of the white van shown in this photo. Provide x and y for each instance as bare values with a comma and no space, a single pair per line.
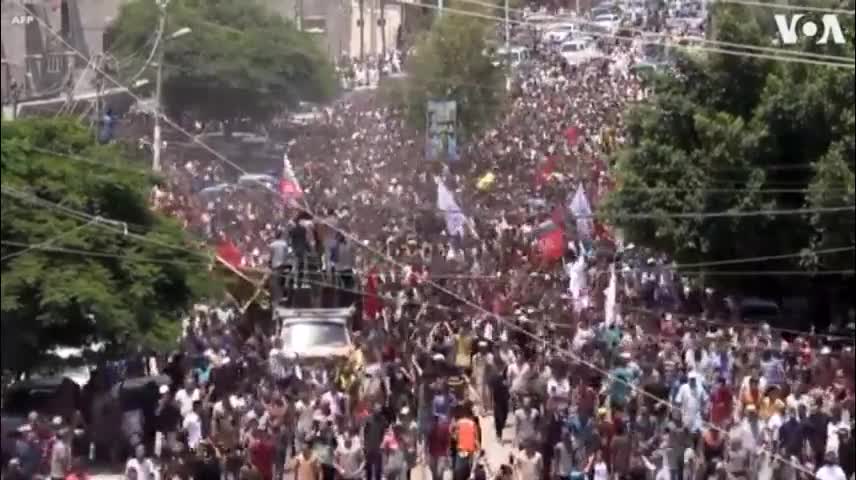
577,51
514,56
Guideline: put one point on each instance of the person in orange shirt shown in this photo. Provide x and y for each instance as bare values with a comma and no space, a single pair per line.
467,435
752,395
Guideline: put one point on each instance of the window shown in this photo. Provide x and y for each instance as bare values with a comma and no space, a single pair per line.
54,63
300,336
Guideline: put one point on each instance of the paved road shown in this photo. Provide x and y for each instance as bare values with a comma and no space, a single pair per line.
497,451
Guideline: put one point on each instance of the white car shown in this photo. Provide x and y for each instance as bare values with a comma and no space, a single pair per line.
606,22
560,33
578,51
514,57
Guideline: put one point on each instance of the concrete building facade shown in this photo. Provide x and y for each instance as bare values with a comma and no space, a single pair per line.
42,65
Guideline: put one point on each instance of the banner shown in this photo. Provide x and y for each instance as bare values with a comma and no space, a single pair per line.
441,141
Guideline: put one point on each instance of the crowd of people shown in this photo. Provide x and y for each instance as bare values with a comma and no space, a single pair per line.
470,342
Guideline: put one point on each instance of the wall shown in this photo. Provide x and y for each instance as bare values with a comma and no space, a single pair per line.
31,54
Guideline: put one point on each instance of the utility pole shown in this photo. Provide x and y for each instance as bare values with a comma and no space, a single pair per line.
382,24
362,24
156,133
440,7
507,30
299,15
508,46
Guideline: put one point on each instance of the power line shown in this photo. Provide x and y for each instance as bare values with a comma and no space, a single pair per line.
46,242
79,158
786,58
117,225
571,354
785,6
649,34
99,254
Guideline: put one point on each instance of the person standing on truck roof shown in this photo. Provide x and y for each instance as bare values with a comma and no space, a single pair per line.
280,265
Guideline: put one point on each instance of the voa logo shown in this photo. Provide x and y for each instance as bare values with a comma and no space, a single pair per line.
790,27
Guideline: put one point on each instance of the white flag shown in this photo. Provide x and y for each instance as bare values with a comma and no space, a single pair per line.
580,208
610,292
455,219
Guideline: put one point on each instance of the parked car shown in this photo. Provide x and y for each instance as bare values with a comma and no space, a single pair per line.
577,51
606,23
560,33
514,56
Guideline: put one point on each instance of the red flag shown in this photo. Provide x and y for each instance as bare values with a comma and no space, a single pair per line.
289,190
545,170
572,135
371,302
552,245
230,254
601,232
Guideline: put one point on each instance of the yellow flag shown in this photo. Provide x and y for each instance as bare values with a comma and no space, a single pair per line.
486,181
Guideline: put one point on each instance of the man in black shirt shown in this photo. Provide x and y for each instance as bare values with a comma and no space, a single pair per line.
846,451
167,419
207,466
373,434
818,431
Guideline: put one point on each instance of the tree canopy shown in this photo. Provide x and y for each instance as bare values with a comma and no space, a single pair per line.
241,59
82,281
732,133
449,63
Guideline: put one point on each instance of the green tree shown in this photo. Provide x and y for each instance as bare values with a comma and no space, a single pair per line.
87,281
241,60
730,133
450,63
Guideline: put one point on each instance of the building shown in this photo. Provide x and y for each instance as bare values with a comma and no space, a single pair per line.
40,65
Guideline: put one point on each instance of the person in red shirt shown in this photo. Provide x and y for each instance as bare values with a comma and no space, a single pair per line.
262,453
77,471
721,403
439,444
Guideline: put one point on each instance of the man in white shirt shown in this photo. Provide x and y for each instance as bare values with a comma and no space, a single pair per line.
143,467
690,398
192,425
60,459
186,395
831,470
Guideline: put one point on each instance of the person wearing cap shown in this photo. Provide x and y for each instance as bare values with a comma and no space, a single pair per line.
830,469
691,398
14,471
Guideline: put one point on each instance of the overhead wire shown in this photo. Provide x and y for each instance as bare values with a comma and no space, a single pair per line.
783,56
106,223
391,260
725,323
786,6
649,34
46,247
47,242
